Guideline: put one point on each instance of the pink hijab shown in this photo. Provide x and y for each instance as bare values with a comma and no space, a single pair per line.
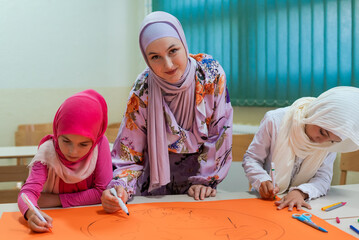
84,113
179,97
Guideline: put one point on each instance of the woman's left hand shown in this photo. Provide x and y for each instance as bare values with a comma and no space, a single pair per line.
201,192
293,199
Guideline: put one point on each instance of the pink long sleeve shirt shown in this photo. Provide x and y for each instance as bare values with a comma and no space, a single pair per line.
86,192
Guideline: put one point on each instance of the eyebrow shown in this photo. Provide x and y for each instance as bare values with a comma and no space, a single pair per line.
89,141
64,137
166,50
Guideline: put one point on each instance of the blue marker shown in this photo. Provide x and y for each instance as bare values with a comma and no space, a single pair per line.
354,229
122,205
305,218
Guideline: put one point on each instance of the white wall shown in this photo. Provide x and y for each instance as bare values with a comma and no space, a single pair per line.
51,49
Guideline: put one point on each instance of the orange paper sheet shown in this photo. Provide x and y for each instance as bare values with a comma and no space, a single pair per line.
209,220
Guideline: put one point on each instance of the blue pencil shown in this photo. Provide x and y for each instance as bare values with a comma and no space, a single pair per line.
354,229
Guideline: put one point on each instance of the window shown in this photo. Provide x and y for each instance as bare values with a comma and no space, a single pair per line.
274,51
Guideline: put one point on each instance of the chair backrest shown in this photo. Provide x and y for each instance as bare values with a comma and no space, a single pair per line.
112,131
31,134
348,162
240,145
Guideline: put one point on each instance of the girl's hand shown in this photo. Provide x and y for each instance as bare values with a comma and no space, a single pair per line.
267,191
293,199
36,224
201,192
110,203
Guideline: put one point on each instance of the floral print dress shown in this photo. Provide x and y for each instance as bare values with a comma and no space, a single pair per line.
206,162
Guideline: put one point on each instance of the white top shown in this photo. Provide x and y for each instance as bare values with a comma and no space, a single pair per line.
258,158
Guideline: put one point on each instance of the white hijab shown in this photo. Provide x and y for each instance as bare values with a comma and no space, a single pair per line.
335,110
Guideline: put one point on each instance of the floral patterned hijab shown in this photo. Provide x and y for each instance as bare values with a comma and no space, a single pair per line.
179,97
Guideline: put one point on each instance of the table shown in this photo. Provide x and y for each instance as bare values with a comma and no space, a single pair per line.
21,151
348,214
18,152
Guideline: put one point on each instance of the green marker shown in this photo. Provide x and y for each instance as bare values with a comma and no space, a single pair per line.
273,176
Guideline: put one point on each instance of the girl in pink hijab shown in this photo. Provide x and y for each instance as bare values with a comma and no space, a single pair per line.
73,166
176,135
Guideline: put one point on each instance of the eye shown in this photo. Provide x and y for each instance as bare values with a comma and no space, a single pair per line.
323,132
84,144
173,51
155,57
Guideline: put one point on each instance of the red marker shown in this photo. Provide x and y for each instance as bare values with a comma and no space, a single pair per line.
338,221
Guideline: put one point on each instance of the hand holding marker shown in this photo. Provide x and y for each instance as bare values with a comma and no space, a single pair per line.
122,205
31,206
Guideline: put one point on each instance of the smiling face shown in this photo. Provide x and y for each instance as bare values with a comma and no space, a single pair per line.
167,58
320,135
74,147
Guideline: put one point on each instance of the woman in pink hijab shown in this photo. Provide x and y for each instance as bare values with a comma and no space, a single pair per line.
176,135
73,166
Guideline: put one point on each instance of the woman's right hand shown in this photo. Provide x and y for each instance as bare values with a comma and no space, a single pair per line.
267,191
36,224
110,203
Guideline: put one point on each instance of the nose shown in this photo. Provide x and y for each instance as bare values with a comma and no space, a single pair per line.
321,139
72,150
168,63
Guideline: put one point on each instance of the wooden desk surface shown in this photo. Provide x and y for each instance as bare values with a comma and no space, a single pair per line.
346,193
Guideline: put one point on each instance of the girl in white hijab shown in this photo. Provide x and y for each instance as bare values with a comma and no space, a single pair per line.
302,141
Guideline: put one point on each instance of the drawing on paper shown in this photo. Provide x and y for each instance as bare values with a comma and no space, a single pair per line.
175,223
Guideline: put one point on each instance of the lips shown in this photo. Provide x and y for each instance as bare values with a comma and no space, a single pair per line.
171,72
71,158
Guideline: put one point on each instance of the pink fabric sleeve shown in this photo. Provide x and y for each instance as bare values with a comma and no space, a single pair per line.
98,181
33,186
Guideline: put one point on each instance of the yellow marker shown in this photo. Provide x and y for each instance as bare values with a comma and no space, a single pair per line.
323,208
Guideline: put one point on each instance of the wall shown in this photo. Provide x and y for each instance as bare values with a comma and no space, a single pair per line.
51,49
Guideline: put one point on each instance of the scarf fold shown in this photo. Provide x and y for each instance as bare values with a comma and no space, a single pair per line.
329,111
85,114
47,155
180,97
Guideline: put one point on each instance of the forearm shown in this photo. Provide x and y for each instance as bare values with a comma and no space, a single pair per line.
88,197
319,185
49,200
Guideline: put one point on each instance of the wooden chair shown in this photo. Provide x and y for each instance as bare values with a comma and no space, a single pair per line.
348,162
26,135
16,173
240,145
112,130
31,134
